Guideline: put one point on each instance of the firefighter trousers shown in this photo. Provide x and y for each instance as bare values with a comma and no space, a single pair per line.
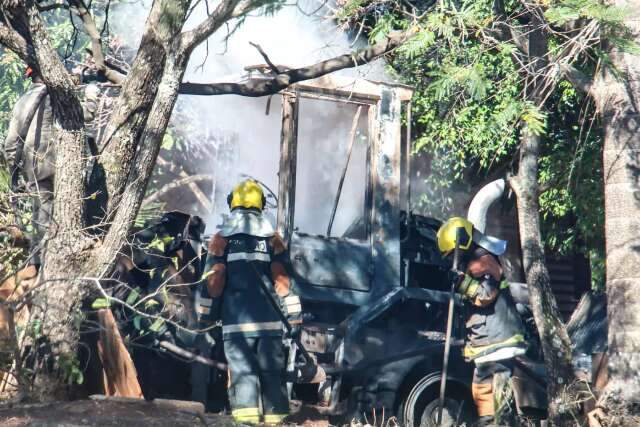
485,384
257,368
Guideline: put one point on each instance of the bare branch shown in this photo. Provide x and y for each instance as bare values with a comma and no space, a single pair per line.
81,9
266,58
245,7
262,87
52,6
577,78
192,179
11,39
221,14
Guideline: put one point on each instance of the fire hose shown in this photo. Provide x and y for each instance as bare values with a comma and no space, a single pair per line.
191,357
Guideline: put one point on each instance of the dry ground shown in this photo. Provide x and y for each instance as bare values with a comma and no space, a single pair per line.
126,413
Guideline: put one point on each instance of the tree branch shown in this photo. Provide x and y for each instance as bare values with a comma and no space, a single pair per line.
577,78
192,179
222,13
262,87
11,39
52,6
82,11
266,58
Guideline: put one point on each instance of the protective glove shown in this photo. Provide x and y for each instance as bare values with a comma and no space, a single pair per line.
293,309
468,287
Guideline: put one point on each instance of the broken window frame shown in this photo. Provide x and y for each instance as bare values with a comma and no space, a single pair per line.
289,149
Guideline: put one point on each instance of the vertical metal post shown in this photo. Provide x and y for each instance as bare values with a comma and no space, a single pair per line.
287,171
408,158
447,342
385,165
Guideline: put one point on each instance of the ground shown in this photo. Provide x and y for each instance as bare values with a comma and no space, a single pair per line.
105,414
125,412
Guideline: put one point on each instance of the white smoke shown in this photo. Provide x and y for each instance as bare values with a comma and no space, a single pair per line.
293,38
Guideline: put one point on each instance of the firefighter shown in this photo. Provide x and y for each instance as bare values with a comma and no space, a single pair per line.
29,150
245,247
495,333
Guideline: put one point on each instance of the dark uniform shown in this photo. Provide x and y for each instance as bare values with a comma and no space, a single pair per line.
495,333
29,149
252,331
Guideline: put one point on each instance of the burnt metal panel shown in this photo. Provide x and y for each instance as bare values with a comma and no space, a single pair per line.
330,262
369,312
385,165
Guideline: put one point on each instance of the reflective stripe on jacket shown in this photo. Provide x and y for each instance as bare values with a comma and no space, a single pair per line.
492,321
231,275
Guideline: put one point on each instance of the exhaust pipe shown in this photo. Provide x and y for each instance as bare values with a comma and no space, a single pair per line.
481,202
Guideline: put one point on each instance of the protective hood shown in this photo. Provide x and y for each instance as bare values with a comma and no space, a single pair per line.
492,244
243,221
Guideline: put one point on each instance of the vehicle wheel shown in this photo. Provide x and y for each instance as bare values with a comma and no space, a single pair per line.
420,406
452,414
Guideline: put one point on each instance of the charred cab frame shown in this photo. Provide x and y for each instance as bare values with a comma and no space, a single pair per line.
376,306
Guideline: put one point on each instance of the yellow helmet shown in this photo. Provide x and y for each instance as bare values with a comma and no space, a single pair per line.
448,232
246,194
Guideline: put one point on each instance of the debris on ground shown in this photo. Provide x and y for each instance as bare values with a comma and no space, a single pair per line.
116,412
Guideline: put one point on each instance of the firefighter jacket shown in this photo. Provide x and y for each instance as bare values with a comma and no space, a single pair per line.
494,328
235,262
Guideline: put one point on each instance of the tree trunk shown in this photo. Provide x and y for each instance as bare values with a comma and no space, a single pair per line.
556,345
69,255
57,302
141,170
139,91
617,100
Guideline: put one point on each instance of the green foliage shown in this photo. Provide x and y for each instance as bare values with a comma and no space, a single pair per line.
69,365
534,118
466,103
565,11
609,17
468,109
12,85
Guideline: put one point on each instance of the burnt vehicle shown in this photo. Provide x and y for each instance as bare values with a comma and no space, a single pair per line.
373,285
372,282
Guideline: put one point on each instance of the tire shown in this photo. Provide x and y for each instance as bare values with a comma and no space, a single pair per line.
420,406
451,414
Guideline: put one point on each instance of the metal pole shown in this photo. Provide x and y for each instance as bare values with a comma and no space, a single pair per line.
352,139
447,342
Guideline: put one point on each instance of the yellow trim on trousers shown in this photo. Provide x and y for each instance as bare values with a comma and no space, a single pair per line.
274,418
246,415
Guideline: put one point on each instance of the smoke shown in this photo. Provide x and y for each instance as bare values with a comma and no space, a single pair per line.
242,135
291,38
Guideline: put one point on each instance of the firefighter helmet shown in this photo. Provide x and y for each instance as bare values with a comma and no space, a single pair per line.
448,232
247,194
